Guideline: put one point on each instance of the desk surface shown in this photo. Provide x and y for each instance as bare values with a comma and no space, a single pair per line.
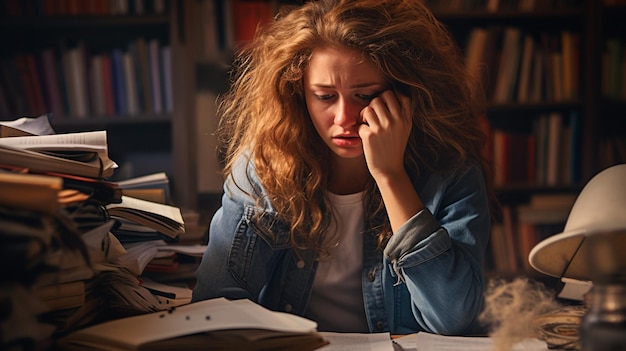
423,342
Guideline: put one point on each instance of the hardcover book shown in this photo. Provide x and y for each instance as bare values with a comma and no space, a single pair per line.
216,324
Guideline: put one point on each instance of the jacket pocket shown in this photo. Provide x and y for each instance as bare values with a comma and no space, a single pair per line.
259,241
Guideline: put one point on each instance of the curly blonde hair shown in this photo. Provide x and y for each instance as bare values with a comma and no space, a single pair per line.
264,111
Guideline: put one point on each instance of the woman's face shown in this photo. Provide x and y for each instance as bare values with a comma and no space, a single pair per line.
338,84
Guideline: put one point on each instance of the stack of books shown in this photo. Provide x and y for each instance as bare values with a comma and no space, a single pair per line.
83,154
75,244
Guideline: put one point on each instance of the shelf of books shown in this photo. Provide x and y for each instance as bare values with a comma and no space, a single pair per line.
613,86
528,55
118,66
100,65
522,226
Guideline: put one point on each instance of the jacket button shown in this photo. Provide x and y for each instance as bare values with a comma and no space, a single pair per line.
379,325
300,264
371,276
288,308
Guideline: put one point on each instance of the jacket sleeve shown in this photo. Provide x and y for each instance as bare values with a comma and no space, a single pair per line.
239,258
439,253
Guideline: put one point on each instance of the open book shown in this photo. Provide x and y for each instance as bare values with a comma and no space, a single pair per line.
134,213
83,154
216,324
152,187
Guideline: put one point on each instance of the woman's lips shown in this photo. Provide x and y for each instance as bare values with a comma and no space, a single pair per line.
347,140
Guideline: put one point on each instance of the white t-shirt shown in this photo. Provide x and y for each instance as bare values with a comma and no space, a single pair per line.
336,302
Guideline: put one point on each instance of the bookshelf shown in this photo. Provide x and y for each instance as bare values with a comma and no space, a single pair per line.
611,91
552,125
137,95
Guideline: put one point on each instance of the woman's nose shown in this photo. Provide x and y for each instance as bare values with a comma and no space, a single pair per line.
347,114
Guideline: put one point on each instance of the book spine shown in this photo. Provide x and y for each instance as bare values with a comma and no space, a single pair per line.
133,50
15,97
108,85
119,84
97,85
26,83
166,73
79,69
508,67
554,144
155,75
144,69
61,62
525,70
130,86
52,84
35,76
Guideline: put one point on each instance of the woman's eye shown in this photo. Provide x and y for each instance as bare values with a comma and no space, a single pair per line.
325,96
366,97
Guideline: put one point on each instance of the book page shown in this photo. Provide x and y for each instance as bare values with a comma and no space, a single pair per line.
19,159
405,342
152,187
85,141
151,207
139,254
357,342
153,195
574,289
88,141
432,342
155,179
189,250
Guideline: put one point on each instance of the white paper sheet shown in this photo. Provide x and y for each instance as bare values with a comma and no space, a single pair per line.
357,342
432,342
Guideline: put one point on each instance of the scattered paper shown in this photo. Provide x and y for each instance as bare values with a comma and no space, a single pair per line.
406,342
433,342
574,289
357,342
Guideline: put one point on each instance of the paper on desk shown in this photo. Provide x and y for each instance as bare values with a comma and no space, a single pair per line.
357,342
203,316
406,342
574,289
432,342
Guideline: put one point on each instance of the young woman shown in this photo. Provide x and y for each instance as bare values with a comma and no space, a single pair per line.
356,191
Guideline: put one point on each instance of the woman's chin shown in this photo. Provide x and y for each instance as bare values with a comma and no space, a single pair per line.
348,153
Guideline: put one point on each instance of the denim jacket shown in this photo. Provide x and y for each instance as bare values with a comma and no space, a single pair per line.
429,276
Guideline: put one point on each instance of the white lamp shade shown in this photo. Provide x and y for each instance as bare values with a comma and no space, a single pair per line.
593,241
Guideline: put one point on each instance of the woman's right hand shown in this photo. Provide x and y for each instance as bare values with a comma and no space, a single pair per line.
385,132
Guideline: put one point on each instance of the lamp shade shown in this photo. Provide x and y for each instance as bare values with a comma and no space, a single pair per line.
593,242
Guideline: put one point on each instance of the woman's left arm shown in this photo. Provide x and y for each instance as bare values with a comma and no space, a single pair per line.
440,230
439,252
